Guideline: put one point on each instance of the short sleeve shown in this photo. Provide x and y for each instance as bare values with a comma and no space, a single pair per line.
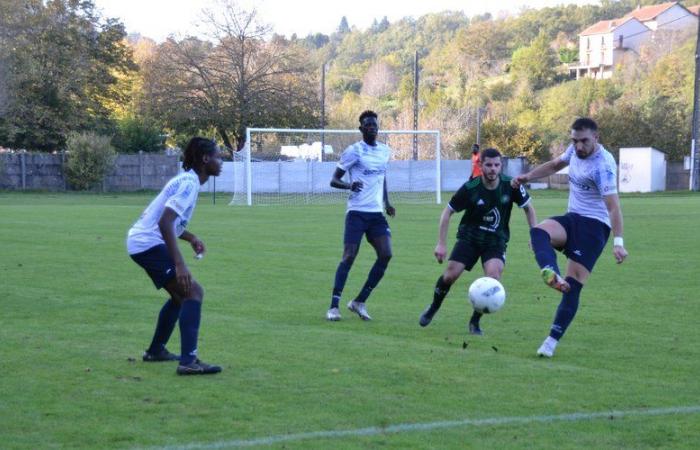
566,156
605,177
459,201
520,196
348,158
185,197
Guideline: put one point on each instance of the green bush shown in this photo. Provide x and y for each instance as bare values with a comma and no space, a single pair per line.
90,158
134,135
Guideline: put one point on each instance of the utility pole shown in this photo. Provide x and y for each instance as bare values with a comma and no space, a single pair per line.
323,108
694,154
415,106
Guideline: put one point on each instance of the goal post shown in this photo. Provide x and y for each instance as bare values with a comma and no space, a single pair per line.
286,166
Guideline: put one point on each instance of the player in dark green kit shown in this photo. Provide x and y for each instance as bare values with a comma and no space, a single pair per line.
483,232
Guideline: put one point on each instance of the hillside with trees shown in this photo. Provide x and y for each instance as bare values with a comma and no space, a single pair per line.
64,69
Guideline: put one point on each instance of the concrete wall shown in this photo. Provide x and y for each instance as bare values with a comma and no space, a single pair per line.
44,171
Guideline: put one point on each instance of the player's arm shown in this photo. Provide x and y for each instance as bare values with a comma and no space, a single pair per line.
166,224
530,214
612,203
196,243
387,206
337,181
441,247
541,171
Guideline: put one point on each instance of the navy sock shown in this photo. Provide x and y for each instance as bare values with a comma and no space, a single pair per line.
375,275
475,318
341,276
190,314
566,310
167,318
542,247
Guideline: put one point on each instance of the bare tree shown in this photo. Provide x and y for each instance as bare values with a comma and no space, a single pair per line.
239,81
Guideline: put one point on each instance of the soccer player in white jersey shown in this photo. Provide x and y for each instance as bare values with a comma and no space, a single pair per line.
366,162
152,244
582,233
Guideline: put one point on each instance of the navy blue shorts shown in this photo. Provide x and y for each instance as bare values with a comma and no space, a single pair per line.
468,253
585,238
157,263
357,224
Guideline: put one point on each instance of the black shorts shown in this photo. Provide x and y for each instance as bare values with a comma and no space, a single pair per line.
585,238
157,263
358,224
468,253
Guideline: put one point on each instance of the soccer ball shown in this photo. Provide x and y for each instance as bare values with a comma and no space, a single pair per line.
487,295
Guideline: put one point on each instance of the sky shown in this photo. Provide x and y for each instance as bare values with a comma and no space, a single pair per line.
159,18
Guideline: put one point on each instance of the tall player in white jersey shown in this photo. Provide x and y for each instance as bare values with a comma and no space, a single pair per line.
366,162
582,233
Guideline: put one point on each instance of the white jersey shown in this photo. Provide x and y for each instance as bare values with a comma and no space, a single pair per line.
591,179
368,164
180,195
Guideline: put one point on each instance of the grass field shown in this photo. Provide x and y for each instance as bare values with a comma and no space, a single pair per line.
77,314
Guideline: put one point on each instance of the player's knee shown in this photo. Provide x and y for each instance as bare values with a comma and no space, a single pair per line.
450,277
349,258
384,258
196,292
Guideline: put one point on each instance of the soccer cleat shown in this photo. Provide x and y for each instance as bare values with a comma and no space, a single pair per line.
197,367
547,348
554,280
427,316
333,314
474,329
360,309
163,355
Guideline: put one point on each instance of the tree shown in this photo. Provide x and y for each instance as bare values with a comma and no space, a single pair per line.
343,27
60,65
535,63
239,81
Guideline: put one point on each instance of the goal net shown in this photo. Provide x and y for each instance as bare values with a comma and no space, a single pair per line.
295,166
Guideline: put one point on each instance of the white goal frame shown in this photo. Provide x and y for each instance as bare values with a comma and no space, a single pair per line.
248,161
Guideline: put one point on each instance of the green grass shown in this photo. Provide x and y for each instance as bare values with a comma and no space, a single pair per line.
77,313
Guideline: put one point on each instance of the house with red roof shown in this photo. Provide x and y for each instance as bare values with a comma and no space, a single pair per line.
609,43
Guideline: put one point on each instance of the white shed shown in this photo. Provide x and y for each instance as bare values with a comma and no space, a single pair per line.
642,169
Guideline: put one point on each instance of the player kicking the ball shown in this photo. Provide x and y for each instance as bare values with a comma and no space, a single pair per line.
152,244
483,232
581,233
366,161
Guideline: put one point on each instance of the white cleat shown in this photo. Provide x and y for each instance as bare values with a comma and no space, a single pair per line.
359,309
333,314
547,348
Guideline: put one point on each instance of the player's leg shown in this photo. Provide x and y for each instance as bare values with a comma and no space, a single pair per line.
160,267
493,264
463,257
544,238
190,317
379,237
588,239
355,228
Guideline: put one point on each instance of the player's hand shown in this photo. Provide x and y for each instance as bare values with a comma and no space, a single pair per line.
198,246
183,277
620,253
390,210
356,186
517,181
440,252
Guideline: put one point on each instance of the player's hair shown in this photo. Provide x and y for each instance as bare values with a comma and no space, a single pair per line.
475,148
368,113
195,151
584,123
490,153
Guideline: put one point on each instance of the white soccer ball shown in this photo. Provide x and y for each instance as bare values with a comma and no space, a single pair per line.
487,295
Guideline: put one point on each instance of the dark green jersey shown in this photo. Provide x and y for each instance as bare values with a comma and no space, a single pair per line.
487,211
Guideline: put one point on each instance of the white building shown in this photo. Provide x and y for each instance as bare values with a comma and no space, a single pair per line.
609,43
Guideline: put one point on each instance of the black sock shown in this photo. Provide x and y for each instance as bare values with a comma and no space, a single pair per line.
190,315
341,276
167,318
566,310
441,290
475,318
